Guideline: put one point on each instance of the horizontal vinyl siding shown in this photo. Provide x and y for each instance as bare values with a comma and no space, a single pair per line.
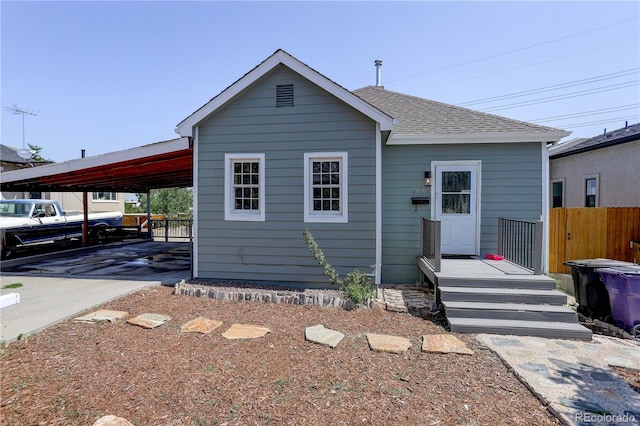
275,250
511,178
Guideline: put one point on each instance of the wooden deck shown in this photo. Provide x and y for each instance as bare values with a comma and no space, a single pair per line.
496,296
476,268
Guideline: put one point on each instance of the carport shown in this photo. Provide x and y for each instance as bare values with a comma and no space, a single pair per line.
166,164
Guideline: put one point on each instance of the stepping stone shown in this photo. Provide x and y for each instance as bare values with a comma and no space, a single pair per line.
245,331
324,336
149,320
444,343
102,315
386,343
200,325
112,420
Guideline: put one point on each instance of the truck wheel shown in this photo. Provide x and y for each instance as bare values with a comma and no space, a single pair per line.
99,235
8,249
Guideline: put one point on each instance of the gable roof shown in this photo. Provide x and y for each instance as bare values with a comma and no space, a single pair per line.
616,137
423,120
185,127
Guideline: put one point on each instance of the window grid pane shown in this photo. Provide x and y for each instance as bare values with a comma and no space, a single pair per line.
590,192
326,183
246,185
557,194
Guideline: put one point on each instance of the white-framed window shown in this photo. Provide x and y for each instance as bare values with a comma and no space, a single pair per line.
105,196
326,187
591,190
244,197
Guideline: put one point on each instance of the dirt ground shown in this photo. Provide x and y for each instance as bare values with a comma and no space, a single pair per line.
74,373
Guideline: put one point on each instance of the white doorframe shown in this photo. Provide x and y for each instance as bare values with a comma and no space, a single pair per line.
467,163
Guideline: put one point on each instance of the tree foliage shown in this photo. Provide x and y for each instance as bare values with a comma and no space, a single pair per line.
36,156
167,201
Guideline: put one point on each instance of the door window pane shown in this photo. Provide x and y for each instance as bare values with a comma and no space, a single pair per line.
456,181
456,192
456,203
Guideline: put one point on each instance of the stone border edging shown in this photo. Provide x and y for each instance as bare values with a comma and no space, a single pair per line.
287,297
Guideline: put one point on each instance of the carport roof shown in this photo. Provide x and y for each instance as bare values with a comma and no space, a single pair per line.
159,165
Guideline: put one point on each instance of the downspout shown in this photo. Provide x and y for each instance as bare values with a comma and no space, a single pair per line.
194,243
378,265
545,208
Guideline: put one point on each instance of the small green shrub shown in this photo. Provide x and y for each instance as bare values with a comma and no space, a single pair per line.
356,286
14,285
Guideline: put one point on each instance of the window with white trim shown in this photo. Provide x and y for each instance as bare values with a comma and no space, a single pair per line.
105,196
591,190
244,187
325,187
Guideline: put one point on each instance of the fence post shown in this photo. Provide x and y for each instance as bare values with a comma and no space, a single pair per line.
537,270
166,229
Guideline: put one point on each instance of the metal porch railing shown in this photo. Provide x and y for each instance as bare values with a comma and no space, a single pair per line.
520,242
431,248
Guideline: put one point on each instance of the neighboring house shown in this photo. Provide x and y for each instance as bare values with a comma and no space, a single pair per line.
97,201
284,148
601,171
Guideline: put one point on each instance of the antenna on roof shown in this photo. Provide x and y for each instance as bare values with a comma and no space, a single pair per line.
15,109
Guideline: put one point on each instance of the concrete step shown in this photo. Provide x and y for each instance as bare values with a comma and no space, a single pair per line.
501,295
552,330
511,311
533,282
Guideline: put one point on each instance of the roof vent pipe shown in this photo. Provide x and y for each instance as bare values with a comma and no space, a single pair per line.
378,63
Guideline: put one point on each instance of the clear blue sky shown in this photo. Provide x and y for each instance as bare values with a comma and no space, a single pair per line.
106,76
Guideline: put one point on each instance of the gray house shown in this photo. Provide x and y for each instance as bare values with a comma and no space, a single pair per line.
601,171
284,149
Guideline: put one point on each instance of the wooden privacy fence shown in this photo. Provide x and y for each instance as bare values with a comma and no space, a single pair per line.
589,233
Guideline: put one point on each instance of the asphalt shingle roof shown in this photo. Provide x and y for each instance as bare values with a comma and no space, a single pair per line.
622,135
10,155
418,116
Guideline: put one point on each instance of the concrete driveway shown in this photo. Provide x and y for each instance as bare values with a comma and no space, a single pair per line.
58,286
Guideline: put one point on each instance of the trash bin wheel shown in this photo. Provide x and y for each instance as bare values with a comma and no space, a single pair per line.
635,331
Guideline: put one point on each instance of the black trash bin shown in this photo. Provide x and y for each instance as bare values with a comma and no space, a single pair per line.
589,290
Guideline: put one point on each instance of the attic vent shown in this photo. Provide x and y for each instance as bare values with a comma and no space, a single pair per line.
284,95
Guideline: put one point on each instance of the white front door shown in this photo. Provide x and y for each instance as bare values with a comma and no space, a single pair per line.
457,186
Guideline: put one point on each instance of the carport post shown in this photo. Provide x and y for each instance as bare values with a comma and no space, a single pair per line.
85,222
149,224
85,209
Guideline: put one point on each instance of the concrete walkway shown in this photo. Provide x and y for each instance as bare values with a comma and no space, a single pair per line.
574,378
45,301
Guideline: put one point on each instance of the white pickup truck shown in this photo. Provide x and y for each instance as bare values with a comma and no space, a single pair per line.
25,223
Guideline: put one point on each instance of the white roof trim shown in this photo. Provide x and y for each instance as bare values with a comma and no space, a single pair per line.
96,161
495,137
185,127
